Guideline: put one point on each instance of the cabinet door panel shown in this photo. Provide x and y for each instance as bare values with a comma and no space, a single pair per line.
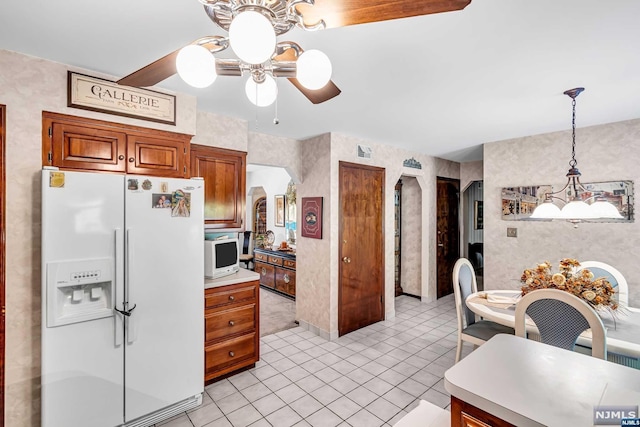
229,355
151,156
80,147
266,273
286,281
224,173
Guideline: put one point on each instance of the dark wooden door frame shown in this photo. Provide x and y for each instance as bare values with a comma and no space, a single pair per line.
3,126
340,234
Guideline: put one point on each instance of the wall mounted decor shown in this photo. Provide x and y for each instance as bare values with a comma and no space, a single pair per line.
312,217
518,203
412,163
91,93
478,216
280,211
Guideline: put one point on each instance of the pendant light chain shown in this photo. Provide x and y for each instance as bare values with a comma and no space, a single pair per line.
573,163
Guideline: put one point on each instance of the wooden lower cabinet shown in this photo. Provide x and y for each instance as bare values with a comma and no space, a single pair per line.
466,415
277,270
232,328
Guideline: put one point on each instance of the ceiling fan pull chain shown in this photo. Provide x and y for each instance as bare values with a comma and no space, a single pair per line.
276,121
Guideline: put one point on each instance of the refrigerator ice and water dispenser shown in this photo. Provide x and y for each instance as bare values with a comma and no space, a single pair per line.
79,290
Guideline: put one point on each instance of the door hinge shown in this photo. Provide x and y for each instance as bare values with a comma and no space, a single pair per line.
380,299
184,169
50,132
49,157
185,150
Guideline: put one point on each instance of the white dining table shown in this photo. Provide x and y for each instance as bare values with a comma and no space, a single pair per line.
623,329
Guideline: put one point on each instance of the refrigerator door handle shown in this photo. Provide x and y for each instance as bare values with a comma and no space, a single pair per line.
130,322
118,325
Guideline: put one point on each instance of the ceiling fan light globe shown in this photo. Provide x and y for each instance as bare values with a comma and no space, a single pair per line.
196,66
313,69
252,37
262,94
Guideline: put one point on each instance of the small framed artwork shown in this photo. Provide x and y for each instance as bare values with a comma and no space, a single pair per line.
279,218
478,216
312,217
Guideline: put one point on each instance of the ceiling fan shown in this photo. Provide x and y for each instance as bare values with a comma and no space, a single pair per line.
252,27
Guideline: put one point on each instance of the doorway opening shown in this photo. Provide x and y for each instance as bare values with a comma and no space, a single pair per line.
407,239
473,236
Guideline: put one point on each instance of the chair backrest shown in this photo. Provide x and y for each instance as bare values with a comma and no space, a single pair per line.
617,280
464,284
560,318
247,242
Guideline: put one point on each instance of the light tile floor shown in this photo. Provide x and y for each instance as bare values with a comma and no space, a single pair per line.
368,378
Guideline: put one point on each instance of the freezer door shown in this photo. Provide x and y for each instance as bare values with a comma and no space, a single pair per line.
82,276
164,355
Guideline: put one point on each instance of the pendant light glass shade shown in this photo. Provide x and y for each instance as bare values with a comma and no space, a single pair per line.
576,209
313,69
252,37
262,94
196,66
546,210
603,209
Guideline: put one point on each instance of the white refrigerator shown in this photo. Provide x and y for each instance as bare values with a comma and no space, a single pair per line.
122,298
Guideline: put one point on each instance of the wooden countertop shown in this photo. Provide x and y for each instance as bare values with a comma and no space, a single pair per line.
528,383
241,276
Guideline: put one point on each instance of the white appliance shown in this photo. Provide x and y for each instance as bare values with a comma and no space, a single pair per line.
122,298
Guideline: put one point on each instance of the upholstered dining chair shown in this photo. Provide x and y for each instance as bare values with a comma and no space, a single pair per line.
617,280
476,332
560,318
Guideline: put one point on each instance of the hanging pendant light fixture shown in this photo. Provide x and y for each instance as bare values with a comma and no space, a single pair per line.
575,209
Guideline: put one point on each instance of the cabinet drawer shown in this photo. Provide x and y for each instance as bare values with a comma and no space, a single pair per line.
223,297
275,260
261,257
266,272
289,263
228,353
228,322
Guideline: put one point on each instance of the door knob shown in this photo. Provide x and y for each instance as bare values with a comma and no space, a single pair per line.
120,157
131,159
346,260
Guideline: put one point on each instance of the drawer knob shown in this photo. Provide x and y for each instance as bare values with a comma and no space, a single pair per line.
121,157
231,298
286,278
131,160
231,354
231,323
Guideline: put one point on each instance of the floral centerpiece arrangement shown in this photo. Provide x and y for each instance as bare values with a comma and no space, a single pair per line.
598,292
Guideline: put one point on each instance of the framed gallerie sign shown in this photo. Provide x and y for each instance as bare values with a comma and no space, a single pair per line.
92,93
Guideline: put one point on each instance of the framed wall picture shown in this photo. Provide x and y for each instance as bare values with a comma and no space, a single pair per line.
312,217
478,217
279,204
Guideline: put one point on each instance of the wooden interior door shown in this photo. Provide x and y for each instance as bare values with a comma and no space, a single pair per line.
448,237
3,127
361,231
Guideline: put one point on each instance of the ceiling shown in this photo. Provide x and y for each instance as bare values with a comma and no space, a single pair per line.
439,84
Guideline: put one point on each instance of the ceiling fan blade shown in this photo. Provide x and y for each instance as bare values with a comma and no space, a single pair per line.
153,73
340,13
330,90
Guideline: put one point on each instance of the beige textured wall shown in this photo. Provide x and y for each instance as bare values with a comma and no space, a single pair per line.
469,172
269,150
221,131
313,257
604,153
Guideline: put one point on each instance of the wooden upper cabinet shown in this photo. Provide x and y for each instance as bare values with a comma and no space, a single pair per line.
70,142
224,173
152,156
